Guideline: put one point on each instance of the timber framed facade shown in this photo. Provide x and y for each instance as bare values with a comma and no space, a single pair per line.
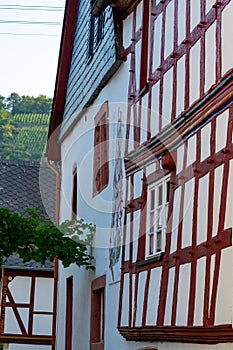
169,98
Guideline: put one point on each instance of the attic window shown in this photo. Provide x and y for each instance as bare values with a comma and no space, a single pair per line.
96,30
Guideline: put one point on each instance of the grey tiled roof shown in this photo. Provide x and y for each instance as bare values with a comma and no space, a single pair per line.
25,185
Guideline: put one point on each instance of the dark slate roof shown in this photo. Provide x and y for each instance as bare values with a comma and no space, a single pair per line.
15,262
23,185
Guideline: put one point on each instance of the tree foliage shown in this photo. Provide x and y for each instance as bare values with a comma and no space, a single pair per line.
33,237
27,104
6,127
23,126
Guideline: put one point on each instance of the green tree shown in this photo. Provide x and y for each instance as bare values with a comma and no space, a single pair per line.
28,104
33,237
6,127
2,102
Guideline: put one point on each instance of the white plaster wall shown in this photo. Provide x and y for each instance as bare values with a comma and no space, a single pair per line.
195,69
117,91
29,347
168,310
175,219
209,4
202,209
169,30
167,97
221,130
180,88
195,14
218,173
188,214
227,33
125,302
205,141
136,225
224,295
181,20
199,293
77,150
81,307
191,150
157,42
20,289
180,159
229,203
153,296
140,297
210,56
155,109
183,295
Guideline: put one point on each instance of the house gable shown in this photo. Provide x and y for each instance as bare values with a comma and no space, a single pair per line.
97,68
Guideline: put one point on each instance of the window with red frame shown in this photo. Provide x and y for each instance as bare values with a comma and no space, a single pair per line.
101,150
98,313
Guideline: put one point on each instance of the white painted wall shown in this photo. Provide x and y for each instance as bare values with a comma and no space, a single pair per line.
42,324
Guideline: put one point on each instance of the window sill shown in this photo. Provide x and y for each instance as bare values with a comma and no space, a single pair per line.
150,260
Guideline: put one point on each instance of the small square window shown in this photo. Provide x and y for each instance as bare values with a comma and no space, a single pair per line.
157,216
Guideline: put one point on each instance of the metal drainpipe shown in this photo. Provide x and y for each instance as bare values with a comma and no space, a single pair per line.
56,267
58,188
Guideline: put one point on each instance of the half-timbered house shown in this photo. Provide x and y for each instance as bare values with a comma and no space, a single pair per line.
142,127
28,289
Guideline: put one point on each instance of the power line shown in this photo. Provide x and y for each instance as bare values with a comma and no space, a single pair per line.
31,22
31,8
29,34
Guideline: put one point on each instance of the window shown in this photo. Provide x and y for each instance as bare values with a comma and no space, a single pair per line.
101,145
158,200
69,312
96,30
145,43
98,313
74,195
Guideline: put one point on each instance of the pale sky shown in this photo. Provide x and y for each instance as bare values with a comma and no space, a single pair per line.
28,63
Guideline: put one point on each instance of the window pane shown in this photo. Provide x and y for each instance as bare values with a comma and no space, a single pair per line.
167,191
159,241
152,199
151,244
160,195
159,219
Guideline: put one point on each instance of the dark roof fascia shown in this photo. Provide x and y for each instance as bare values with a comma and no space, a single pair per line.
66,46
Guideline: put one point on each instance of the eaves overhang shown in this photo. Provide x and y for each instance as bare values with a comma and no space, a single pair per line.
53,151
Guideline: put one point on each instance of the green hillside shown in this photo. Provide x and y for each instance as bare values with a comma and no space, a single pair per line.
27,137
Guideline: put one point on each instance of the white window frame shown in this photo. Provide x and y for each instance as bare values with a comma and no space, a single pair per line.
157,212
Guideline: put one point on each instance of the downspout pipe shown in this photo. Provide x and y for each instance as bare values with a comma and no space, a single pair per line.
58,189
56,264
